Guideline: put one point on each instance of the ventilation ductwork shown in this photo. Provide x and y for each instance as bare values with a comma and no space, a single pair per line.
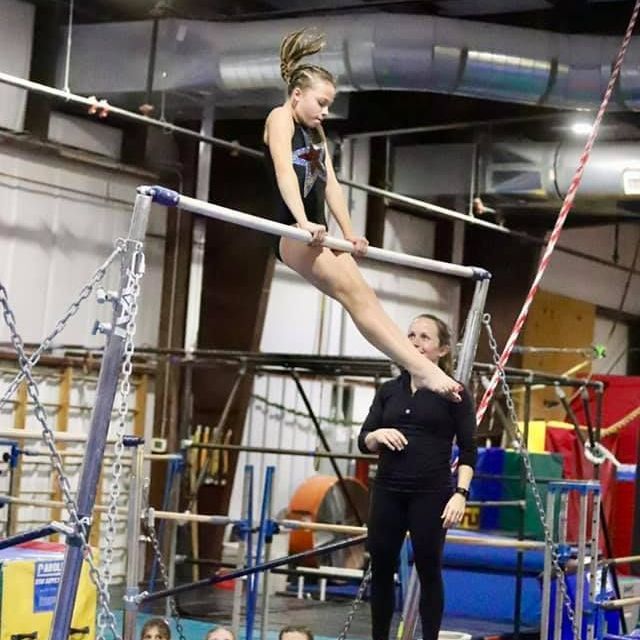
542,172
237,62
518,174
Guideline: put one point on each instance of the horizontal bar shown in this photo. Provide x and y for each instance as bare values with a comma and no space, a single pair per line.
285,524
585,351
414,203
620,603
457,538
29,454
494,541
452,126
121,511
328,572
530,376
337,365
283,452
622,560
520,504
54,407
66,96
351,530
60,436
202,518
241,573
53,504
582,486
172,198
35,534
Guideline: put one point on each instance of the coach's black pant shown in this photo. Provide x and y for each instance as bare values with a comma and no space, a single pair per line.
391,515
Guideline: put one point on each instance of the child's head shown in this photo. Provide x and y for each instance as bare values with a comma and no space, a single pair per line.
311,88
155,629
220,633
295,632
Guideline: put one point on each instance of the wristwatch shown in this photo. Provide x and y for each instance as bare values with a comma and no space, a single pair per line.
463,492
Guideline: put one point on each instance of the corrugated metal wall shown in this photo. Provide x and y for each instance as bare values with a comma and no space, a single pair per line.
59,219
58,223
16,29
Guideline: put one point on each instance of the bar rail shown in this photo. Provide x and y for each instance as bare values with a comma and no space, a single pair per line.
171,198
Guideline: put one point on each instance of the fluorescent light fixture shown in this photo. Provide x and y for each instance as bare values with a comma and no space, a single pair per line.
581,128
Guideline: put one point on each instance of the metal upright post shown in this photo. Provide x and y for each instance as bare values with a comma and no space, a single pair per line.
582,543
133,546
250,561
14,460
199,232
472,331
264,621
262,534
242,555
176,467
593,574
563,549
546,572
100,419
517,606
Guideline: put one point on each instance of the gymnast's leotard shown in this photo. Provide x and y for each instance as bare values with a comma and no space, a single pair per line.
308,159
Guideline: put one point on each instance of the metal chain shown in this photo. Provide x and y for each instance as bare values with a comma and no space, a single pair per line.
526,459
164,574
85,292
129,300
356,603
81,524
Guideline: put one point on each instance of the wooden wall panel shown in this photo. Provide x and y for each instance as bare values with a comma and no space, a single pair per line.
555,321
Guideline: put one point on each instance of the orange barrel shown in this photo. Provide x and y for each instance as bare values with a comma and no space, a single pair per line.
322,499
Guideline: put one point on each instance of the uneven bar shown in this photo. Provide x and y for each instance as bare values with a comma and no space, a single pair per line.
172,198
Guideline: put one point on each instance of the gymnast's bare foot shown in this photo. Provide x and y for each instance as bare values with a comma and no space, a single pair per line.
438,381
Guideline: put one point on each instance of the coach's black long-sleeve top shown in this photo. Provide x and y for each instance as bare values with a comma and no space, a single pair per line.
429,422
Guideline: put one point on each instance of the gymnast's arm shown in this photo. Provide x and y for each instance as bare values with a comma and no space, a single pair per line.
338,206
279,129
335,199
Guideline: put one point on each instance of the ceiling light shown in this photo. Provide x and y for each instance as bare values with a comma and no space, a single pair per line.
581,128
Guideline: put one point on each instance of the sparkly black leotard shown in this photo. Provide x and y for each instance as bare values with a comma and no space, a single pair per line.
308,159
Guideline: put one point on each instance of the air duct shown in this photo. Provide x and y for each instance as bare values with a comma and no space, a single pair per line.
536,172
238,61
517,173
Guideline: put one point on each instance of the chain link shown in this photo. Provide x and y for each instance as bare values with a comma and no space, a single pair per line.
526,459
356,603
85,292
81,524
129,302
164,575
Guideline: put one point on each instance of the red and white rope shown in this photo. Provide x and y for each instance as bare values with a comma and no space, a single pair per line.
562,216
